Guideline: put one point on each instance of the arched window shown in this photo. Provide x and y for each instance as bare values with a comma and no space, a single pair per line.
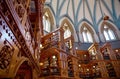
108,33
67,32
46,23
87,35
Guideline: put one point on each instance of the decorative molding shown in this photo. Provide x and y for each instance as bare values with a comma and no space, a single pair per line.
15,27
5,56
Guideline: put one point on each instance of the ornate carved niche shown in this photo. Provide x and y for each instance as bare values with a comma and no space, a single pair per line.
6,13
20,10
21,7
105,53
27,33
23,2
3,7
92,53
5,56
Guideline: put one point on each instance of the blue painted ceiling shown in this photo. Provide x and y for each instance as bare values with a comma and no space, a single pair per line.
91,11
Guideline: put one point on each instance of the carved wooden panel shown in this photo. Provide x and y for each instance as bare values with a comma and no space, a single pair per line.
5,56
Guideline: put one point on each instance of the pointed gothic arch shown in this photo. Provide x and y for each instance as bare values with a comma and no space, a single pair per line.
71,27
48,21
24,71
111,34
90,33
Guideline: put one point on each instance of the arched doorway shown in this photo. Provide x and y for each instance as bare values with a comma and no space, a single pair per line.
24,71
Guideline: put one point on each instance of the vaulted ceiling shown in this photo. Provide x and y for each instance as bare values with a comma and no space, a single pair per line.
91,11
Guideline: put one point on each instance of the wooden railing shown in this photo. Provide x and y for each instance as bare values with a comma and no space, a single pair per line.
56,39
51,40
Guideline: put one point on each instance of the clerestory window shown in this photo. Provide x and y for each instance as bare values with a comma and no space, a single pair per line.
87,35
108,33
